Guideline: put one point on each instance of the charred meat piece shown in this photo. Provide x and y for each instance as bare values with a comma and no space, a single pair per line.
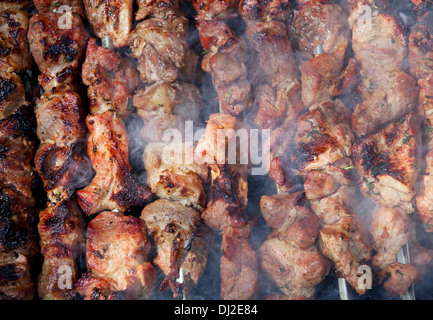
162,50
323,137
320,24
215,9
175,178
165,105
278,10
424,194
290,218
182,242
12,94
225,61
397,278
58,52
388,162
14,46
61,232
113,186
91,287
117,250
15,278
163,9
111,19
112,80
72,6
274,76
62,134
295,271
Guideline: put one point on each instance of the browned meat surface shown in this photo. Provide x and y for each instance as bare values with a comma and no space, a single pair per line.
278,10
165,105
225,61
58,52
175,179
61,232
111,19
62,134
294,270
12,94
112,80
388,162
158,9
14,46
91,287
398,277
424,195
182,243
117,250
15,278
162,50
216,9
113,186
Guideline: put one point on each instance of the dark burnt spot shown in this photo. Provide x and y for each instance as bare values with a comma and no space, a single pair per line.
63,75
7,87
62,47
237,216
4,51
170,228
308,152
10,273
389,137
3,150
57,223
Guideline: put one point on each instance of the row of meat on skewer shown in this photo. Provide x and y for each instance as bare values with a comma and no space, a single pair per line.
343,90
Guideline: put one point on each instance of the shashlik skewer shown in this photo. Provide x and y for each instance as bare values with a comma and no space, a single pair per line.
59,160
18,241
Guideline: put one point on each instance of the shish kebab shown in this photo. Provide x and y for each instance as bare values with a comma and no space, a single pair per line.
289,256
168,99
18,237
324,138
387,159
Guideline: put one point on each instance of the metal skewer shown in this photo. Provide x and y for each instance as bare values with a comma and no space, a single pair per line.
404,258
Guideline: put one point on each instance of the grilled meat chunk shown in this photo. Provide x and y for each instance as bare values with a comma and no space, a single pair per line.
62,133
388,162
61,232
162,50
163,9
117,250
295,271
112,80
278,10
58,52
182,242
15,278
14,46
12,94
397,278
165,105
175,178
424,194
111,19
215,9
113,186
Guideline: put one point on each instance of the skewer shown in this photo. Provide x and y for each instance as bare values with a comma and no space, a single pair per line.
404,258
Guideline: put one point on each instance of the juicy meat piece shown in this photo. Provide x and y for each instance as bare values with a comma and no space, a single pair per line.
294,270
175,178
215,9
165,105
390,231
425,107
162,50
16,176
112,18
61,232
323,137
90,287
12,94
61,131
383,99
182,242
381,46
15,278
320,24
356,9
58,52
278,10
346,243
163,9
398,277
290,218
273,73
424,194
225,61
388,162
112,80
228,197
239,268
15,54
113,186
117,249
75,6
421,44
14,4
